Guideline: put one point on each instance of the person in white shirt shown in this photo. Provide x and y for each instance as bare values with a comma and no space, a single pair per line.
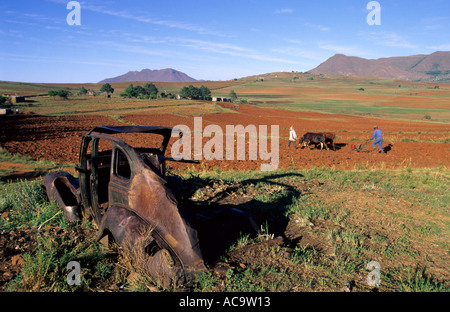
292,137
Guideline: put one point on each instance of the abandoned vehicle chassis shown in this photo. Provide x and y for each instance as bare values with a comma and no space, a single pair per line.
127,196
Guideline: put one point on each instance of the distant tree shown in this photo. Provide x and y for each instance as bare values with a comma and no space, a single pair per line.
129,91
194,93
150,88
139,91
4,102
233,95
205,93
107,88
185,93
149,91
83,90
61,93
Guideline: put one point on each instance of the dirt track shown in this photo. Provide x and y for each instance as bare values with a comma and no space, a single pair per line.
58,138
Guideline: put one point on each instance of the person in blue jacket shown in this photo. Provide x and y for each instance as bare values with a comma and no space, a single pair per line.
378,136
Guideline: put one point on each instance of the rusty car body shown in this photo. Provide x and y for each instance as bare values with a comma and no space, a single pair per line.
124,190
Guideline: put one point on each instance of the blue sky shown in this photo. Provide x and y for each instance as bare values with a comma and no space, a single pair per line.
210,40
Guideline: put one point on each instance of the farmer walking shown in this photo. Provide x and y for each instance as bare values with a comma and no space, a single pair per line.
378,139
292,137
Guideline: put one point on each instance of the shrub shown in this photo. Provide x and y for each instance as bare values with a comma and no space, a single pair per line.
83,90
45,269
61,93
27,205
107,88
148,91
195,93
4,102
419,281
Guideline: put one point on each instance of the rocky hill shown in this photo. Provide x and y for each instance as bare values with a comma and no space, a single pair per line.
431,67
165,75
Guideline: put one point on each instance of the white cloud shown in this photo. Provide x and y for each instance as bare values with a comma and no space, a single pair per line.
284,11
139,49
389,39
294,41
299,53
441,47
228,49
214,48
317,26
342,49
435,23
396,41
149,20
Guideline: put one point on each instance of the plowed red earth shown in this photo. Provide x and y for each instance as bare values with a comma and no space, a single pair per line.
58,138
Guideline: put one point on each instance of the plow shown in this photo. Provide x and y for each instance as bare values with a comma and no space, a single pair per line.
361,147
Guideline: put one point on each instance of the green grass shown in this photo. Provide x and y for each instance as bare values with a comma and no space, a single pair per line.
395,239
20,166
27,205
299,100
24,88
298,95
420,281
399,218
24,205
45,268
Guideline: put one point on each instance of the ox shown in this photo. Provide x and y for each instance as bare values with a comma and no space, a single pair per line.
315,138
329,138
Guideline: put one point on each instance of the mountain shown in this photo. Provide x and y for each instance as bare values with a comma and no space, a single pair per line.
425,67
165,75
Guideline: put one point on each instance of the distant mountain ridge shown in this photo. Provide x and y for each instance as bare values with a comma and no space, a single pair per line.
423,67
164,75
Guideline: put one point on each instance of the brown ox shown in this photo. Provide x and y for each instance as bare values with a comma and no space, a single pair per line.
314,138
329,138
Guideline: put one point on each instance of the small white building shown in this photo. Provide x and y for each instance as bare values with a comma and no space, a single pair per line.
6,111
220,99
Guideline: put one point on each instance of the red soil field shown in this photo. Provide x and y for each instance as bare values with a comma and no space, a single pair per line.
414,144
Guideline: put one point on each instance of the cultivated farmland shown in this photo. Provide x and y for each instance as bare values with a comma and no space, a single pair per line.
324,215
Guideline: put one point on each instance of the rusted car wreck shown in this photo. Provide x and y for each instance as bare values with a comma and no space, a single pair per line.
124,190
